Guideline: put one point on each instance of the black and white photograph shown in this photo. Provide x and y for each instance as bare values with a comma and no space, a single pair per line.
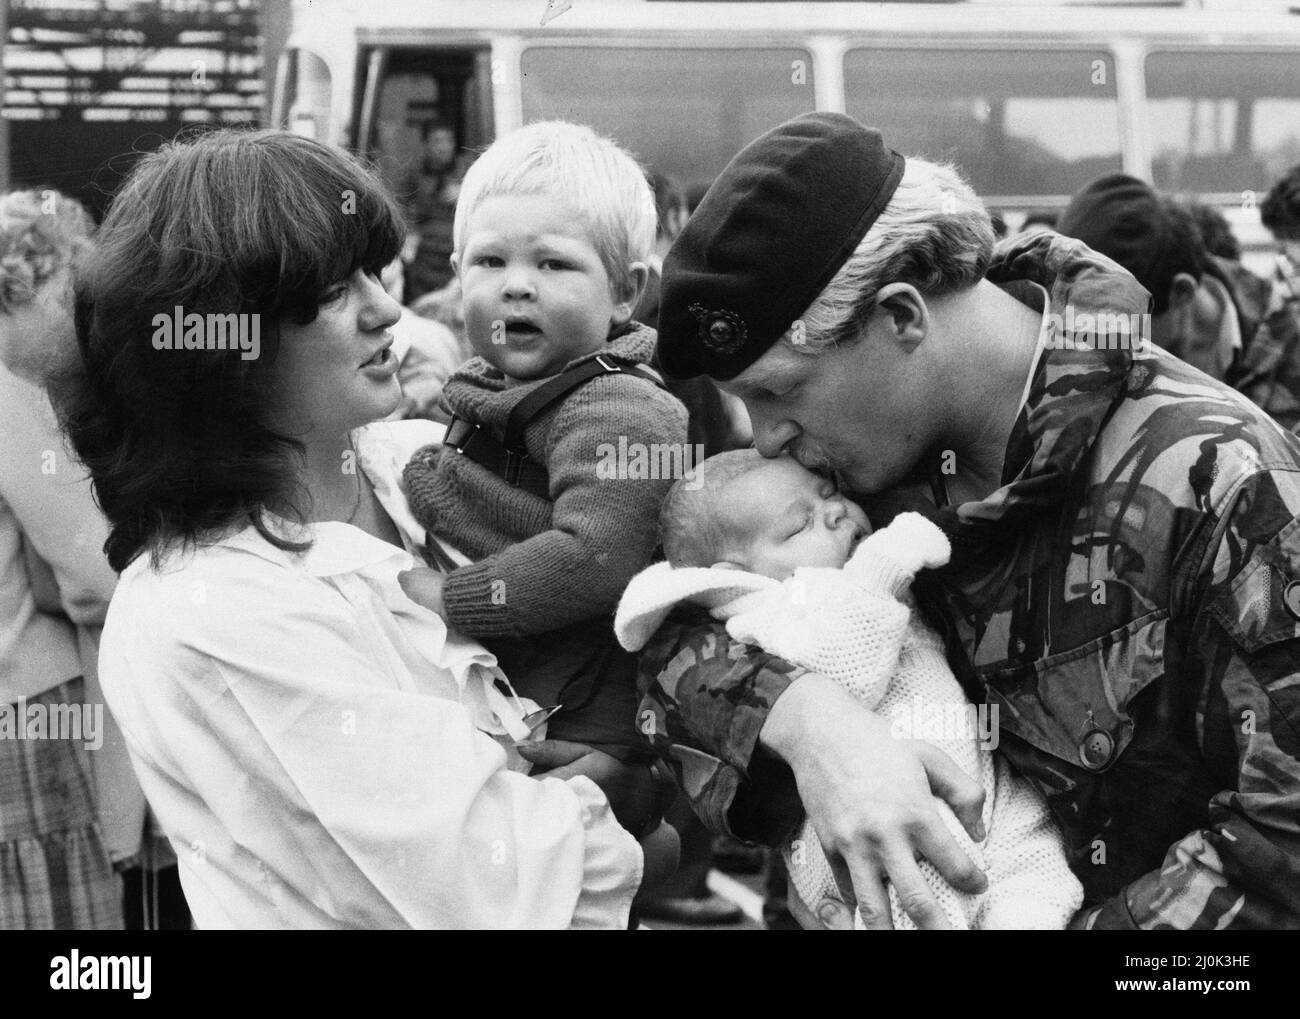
649,465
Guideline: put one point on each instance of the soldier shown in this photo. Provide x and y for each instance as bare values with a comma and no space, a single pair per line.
1211,311
1125,583
1280,212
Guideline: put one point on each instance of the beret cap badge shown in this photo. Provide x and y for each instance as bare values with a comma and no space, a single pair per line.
720,330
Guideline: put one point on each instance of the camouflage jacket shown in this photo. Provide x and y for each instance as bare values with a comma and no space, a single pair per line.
1129,601
1268,315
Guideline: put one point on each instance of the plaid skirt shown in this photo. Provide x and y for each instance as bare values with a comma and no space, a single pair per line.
55,873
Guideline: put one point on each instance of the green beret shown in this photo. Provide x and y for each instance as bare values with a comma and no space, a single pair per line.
771,232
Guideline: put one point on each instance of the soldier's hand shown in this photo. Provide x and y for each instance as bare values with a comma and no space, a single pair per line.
870,796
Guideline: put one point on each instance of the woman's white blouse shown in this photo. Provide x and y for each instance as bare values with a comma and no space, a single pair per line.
310,741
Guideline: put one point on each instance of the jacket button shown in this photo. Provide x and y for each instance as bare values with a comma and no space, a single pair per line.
1097,749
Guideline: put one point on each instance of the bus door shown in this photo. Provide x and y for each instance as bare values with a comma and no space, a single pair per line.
421,114
407,89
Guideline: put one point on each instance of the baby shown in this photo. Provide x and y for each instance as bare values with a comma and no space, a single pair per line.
793,567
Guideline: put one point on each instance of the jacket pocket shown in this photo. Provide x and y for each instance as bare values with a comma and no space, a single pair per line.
1074,705
1262,603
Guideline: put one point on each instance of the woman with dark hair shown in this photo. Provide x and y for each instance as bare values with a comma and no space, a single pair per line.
314,744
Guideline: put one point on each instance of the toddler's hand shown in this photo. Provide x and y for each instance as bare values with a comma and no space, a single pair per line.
424,587
634,795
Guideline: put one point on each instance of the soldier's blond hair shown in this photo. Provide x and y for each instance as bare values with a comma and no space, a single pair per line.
934,234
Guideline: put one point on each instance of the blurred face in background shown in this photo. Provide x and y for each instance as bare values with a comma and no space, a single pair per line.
440,148
36,334
42,236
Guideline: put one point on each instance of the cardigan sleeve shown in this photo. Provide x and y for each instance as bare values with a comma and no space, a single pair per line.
820,619
1031,886
614,449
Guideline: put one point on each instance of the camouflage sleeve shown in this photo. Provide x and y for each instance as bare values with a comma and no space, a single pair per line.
705,698
1270,370
1242,871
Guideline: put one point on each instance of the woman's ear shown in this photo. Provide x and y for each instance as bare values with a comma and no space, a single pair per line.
455,263
905,310
638,275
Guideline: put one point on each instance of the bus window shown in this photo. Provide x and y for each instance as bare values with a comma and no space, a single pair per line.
1222,122
682,112
1033,123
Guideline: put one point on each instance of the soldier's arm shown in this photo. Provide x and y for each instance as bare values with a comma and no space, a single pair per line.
705,699
1269,372
739,725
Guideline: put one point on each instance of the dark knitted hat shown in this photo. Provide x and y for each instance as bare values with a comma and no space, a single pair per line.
769,235
1148,234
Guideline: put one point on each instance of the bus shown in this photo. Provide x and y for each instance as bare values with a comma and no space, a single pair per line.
1031,100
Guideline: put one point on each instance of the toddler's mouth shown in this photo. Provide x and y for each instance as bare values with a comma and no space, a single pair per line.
522,328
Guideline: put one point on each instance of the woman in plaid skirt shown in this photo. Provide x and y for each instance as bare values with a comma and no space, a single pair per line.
55,871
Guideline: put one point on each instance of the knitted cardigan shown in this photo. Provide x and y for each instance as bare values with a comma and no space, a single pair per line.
854,625
542,564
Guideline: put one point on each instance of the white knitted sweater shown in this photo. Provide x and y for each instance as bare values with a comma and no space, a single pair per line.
856,625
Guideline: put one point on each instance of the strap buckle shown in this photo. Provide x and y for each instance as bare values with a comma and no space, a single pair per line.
471,430
609,366
514,467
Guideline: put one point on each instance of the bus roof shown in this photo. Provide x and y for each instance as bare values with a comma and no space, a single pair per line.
1003,19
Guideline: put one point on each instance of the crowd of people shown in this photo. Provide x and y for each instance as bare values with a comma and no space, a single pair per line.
380,639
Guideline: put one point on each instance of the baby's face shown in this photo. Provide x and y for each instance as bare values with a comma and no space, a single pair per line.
793,518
